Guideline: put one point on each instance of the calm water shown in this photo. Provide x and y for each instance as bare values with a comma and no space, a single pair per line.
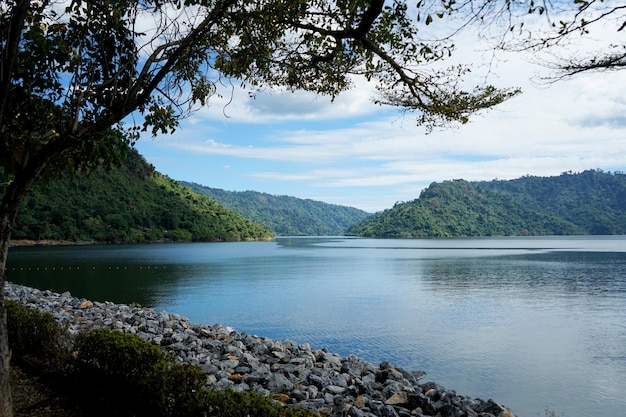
533,323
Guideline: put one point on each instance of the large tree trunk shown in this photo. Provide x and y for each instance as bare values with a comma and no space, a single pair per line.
6,404
9,207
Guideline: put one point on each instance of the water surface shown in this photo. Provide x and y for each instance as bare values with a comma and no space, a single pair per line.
533,323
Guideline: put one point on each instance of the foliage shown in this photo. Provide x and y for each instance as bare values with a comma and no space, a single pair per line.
591,202
117,356
133,203
250,404
175,390
139,375
35,333
284,215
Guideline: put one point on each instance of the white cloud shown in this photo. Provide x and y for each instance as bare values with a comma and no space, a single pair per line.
240,104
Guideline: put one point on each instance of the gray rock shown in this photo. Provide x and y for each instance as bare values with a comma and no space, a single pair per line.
278,383
334,389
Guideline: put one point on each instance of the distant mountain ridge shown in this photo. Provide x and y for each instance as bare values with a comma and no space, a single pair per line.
591,202
285,215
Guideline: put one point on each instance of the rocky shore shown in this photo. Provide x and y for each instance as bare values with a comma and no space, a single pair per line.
292,374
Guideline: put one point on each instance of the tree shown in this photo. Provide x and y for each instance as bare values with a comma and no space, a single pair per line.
550,27
579,20
79,80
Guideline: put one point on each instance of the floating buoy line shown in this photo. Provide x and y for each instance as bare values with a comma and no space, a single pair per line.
92,268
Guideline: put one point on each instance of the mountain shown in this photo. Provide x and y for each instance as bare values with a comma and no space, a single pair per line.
590,202
132,203
286,216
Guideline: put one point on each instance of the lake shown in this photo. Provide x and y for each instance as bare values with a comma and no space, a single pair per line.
533,322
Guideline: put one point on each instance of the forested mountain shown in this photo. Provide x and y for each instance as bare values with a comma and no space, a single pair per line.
286,216
590,202
133,203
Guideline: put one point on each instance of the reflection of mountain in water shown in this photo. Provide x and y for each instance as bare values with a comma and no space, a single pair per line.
89,273
531,275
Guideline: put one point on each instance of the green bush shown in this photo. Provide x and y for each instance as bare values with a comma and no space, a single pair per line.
115,365
36,334
176,390
103,353
249,404
137,374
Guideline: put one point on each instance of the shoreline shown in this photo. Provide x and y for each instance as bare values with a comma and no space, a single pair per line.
296,375
50,242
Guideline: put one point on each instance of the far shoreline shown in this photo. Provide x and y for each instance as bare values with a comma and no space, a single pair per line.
50,242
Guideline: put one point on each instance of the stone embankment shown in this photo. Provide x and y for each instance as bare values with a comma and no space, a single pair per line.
291,373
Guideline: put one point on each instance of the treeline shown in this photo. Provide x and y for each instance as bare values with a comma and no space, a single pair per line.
132,203
590,202
284,215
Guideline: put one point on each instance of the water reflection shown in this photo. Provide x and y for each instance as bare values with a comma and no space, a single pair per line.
561,274
99,273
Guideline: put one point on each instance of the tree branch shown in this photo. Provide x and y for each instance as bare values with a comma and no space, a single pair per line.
9,52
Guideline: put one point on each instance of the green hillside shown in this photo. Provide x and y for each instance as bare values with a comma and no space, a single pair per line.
286,216
590,202
133,203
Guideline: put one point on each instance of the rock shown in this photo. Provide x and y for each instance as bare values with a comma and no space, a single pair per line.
335,389
400,398
300,395
223,384
236,378
388,411
355,412
506,412
283,398
279,383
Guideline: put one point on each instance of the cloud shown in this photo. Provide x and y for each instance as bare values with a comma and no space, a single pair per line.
518,139
213,144
241,104
303,153
617,122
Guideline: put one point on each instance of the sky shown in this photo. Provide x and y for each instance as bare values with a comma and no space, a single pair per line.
354,153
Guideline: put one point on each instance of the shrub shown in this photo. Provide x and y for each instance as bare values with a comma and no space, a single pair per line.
35,333
176,390
249,404
137,374
113,365
103,353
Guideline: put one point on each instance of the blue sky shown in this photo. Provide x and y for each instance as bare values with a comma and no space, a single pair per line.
355,153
